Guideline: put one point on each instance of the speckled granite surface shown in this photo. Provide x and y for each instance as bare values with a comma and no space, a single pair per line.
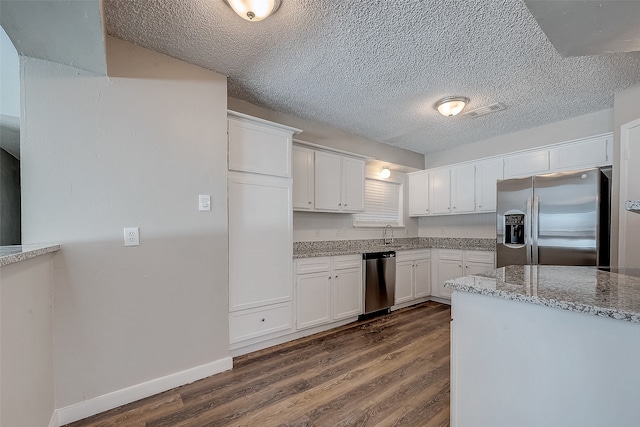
12,254
347,247
581,289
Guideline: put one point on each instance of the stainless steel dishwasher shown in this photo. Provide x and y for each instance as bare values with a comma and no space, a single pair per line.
379,270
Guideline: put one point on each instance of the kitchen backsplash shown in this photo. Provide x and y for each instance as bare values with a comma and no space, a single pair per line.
355,246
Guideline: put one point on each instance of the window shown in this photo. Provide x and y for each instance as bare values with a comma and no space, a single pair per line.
383,201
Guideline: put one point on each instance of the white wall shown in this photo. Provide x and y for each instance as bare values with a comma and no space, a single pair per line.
483,225
463,226
134,149
565,130
26,343
9,77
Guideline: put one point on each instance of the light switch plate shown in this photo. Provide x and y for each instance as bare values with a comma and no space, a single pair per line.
131,236
204,202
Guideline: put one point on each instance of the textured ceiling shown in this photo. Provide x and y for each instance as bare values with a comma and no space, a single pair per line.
376,67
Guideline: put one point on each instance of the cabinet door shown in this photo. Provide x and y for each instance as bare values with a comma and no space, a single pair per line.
347,293
302,172
448,269
463,189
419,193
352,185
260,241
328,181
422,277
584,154
404,281
439,191
477,268
259,148
476,262
313,299
526,164
488,173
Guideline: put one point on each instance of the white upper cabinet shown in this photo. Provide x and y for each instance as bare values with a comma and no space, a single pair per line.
470,187
463,188
352,184
583,154
488,173
339,183
419,193
532,163
439,191
259,146
302,170
328,181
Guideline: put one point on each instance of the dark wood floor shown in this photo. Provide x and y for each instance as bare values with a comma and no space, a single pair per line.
389,371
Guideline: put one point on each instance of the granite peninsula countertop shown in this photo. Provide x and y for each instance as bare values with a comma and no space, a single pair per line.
350,247
13,254
580,289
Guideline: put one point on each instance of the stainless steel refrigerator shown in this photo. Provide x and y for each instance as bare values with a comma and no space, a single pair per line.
555,219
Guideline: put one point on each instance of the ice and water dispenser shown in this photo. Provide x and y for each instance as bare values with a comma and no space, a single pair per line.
514,231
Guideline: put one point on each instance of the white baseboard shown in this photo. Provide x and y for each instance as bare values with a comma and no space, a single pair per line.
54,420
121,397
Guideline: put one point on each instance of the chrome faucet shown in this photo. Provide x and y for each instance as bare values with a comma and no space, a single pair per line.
387,240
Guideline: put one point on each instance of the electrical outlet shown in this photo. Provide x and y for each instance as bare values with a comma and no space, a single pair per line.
131,236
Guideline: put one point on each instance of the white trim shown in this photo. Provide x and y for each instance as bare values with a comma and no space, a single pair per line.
622,213
247,118
54,420
318,147
121,397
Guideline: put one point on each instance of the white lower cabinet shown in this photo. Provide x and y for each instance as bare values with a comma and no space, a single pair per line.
256,322
454,263
328,289
413,275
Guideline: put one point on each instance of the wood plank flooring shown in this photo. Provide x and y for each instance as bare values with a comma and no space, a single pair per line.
388,371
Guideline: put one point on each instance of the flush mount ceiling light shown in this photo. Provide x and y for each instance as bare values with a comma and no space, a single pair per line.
385,173
451,105
253,10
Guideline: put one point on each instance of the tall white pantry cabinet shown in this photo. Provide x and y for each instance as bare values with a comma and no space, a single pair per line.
260,229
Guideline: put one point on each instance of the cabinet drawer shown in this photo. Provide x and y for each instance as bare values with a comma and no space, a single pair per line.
312,265
479,256
256,322
412,255
347,261
454,255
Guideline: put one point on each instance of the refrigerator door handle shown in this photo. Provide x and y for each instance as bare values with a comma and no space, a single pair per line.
527,225
535,217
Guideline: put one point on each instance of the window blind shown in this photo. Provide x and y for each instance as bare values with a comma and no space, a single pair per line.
382,204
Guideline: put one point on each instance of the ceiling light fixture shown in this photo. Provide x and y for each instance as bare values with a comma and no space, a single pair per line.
451,105
253,10
385,173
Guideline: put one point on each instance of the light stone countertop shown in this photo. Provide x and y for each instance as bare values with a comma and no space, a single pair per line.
350,247
13,254
580,289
